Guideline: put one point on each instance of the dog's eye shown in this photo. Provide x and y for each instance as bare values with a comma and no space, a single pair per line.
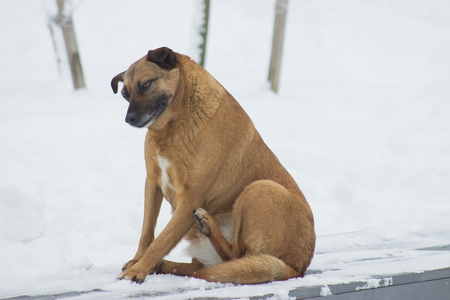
125,94
144,87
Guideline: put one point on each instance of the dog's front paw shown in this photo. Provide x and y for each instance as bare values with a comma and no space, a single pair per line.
134,275
202,218
129,264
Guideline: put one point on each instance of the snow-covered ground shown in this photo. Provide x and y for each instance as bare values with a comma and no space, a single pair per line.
362,121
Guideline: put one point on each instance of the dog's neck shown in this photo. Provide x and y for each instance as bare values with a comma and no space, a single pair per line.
203,90
197,99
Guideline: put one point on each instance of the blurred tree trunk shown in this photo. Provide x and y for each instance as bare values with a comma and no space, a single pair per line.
204,31
71,46
277,43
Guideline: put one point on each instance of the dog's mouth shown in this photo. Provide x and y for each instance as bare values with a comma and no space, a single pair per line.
154,114
150,116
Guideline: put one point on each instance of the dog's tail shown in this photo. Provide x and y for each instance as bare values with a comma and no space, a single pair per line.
249,269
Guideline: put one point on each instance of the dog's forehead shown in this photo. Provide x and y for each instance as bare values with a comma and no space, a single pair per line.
142,69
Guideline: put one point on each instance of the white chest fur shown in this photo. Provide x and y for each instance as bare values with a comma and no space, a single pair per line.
165,179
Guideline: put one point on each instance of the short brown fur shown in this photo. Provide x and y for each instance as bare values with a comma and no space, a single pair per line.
203,154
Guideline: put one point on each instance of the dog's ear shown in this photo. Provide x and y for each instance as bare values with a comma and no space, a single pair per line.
164,57
115,81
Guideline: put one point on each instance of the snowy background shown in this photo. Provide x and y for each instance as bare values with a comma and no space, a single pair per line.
362,121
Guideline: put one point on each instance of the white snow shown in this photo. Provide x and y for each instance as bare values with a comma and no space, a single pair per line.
374,283
325,291
362,121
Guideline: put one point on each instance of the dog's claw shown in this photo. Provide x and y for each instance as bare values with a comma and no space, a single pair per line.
120,276
132,277
136,280
202,220
197,218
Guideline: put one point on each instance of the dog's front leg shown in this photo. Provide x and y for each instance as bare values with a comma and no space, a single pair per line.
177,227
152,206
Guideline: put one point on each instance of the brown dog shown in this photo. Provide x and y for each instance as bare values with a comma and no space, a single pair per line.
204,155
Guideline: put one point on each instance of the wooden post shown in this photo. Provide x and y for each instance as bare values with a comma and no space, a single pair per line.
71,46
277,43
204,32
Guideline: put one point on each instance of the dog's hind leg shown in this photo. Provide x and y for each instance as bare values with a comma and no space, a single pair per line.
208,226
273,237
181,269
248,270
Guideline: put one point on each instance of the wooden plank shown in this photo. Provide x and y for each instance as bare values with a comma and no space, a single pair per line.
412,286
277,43
434,289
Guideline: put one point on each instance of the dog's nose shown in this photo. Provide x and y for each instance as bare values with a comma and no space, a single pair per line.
131,118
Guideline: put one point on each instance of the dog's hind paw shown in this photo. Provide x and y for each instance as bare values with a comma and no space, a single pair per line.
203,220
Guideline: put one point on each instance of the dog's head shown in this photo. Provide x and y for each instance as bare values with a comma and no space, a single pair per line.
149,86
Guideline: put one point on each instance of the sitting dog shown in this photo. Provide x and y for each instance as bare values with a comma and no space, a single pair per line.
244,216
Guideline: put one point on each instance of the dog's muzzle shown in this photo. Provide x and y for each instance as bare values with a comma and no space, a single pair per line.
148,117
